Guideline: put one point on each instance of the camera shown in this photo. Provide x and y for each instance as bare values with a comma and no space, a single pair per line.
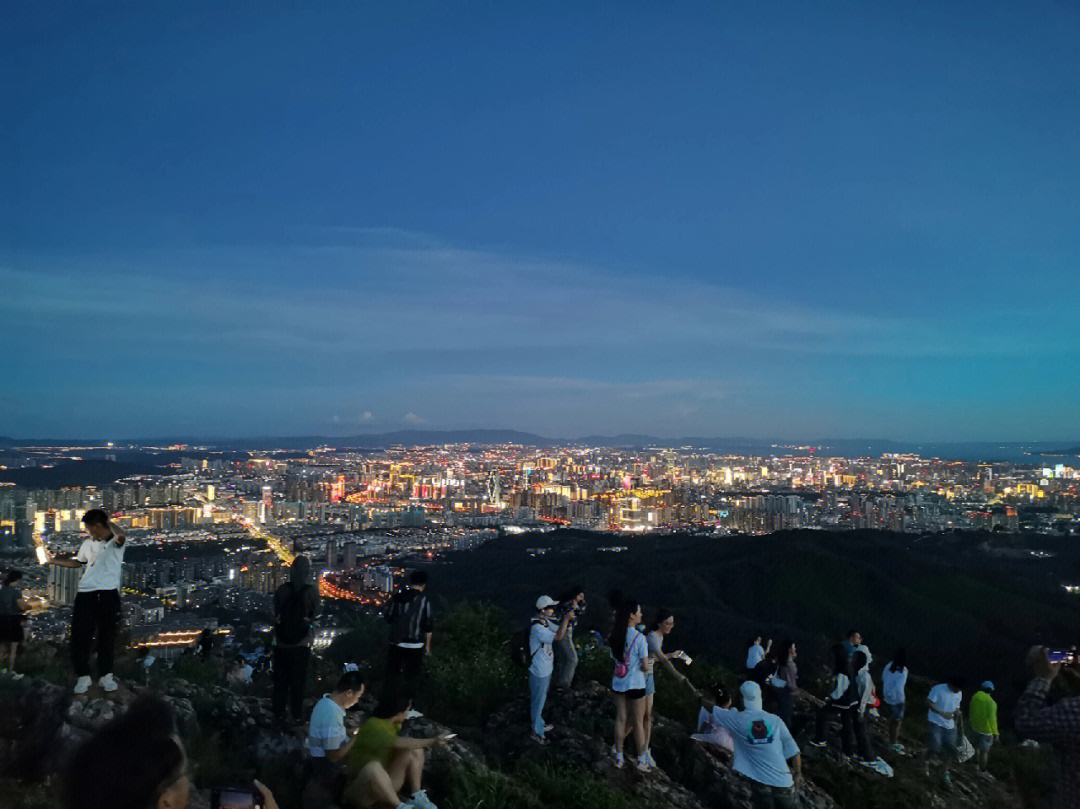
236,798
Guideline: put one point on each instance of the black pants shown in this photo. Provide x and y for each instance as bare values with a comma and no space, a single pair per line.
767,797
853,729
290,680
95,613
404,668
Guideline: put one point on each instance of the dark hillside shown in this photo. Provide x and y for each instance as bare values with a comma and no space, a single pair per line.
956,606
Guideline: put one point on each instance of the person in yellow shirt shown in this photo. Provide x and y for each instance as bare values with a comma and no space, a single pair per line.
983,716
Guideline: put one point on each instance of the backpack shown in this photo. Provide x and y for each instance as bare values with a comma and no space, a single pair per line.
519,647
293,624
622,667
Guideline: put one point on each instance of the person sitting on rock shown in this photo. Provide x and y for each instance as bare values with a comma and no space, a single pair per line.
382,762
136,760
709,730
766,755
328,743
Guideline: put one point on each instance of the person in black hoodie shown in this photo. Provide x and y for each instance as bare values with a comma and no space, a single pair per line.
411,623
295,604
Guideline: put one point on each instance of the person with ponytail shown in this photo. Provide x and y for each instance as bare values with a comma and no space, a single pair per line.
632,663
654,640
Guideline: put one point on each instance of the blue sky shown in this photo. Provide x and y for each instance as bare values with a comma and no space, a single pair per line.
762,219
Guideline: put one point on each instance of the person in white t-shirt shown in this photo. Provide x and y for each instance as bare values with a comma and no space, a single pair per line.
542,634
97,599
755,652
944,721
632,663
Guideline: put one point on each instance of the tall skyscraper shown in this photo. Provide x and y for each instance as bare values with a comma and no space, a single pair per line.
350,555
331,554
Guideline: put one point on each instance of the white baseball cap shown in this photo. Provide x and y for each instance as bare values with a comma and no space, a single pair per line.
751,696
544,602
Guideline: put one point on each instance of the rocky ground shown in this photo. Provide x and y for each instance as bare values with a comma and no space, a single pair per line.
40,723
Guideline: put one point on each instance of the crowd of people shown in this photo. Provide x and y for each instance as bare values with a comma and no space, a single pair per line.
138,760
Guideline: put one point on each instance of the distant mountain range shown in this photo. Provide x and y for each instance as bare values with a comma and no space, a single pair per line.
1017,452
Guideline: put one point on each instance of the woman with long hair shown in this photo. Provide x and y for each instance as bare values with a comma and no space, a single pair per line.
628,681
893,685
785,682
654,640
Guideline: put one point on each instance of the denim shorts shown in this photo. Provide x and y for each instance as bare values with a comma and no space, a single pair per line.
983,741
895,711
650,684
939,738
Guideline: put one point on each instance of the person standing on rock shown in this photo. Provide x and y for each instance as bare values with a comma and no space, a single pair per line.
97,599
766,754
411,625
755,652
654,640
295,604
982,713
566,658
893,684
785,682
943,724
12,611
543,634
628,681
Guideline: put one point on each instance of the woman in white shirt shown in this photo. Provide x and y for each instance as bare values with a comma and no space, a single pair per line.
654,640
632,663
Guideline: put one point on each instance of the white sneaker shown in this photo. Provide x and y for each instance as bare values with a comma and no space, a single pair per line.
16,676
82,685
649,758
420,800
882,767
107,683
412,714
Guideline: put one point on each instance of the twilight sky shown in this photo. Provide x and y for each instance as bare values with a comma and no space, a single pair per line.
798,220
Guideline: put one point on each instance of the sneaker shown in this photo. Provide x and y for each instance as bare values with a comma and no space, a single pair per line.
882,767
538,739
82,685
874,712
413,714
649,758
420,800
15,676
618,758
107,683
898,749
816,743
548,728
642,763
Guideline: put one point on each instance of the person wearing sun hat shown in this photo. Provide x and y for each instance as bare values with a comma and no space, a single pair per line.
542,634
982,714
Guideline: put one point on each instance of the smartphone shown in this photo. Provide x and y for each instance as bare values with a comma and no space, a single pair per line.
42,555
687,659
1065,656
236,798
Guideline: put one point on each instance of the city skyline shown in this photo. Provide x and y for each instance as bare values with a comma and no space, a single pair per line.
777,222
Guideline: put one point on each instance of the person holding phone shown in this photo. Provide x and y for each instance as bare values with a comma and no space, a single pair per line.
97,599
382,763
1056,723
944,719
654,640
328,743
543,634
137,760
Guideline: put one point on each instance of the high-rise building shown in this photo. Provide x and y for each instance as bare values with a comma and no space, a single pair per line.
331,554
350,555
62,584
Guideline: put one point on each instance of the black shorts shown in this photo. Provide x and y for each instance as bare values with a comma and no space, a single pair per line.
633,693
11,629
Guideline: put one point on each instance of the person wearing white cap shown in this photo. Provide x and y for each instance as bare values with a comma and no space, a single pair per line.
765,752
542,635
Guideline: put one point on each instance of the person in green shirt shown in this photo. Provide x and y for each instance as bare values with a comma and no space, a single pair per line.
983,715
382,763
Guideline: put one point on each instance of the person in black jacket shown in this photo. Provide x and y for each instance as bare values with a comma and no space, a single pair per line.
295,604
411,624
